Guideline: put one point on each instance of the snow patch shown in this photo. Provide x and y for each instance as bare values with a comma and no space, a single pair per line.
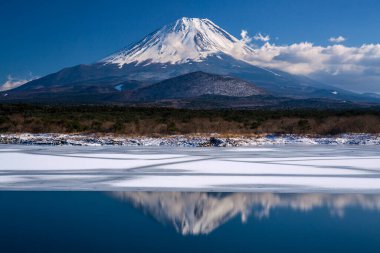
119,87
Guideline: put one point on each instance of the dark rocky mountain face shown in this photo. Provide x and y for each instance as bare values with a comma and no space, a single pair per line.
194,85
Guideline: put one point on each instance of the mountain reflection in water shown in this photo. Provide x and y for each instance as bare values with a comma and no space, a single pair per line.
201,213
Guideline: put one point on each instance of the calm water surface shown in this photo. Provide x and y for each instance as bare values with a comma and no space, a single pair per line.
188,222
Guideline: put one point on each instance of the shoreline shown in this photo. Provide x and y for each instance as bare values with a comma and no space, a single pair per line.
201,140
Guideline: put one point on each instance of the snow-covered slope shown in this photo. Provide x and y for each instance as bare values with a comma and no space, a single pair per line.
187,39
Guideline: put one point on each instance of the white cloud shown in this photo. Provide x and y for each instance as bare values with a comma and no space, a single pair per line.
245,37
338,39
354,68
307,58
13,82
260,37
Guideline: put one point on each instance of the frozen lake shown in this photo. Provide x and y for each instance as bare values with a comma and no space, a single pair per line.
278,168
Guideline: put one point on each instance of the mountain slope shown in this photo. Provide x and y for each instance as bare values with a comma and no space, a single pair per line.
197,84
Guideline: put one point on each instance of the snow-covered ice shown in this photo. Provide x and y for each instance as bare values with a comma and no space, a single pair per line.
278,168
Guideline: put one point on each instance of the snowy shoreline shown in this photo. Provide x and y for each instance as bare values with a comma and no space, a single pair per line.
56,139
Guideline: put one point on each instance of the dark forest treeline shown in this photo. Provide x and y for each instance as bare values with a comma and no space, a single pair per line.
162,121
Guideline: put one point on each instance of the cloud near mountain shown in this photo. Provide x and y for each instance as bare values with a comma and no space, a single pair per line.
338,39
13,82
260,37
354,68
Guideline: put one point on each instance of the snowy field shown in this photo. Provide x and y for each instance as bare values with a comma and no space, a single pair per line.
275,168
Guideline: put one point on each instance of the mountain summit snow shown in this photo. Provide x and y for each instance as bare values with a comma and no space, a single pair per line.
185,40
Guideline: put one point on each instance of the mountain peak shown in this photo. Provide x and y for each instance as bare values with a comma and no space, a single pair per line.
186,22
191,20
185,40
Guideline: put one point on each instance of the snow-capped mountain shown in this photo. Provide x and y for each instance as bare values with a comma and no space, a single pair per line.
188,45
185,40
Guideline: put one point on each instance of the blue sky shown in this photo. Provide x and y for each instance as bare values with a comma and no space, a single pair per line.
39,37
